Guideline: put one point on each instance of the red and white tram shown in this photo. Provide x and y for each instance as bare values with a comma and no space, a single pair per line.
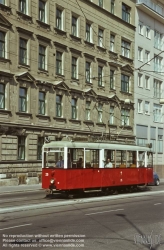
73,167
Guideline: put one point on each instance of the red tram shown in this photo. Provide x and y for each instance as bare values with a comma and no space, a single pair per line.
72,167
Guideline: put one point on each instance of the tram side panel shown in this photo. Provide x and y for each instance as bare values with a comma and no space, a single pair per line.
67,179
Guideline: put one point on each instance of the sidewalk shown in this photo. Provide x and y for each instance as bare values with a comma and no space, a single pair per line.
23,188
20,188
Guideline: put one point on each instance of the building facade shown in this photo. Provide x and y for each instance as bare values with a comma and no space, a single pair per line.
149,78
65,70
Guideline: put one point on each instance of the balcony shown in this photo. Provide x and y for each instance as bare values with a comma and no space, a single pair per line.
152,9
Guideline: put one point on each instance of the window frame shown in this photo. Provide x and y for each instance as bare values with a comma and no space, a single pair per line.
74,67
59,19
74,108
112,79
42,11
87,72
21,99
112,42
59,63
22,50
125,48
125,114
88,111
58,106
42,57
125,85
42,101
126,13
112,6
23,6
74,27
100,76
100,37
88,32
39,147
21,146
100,112
3,45
2,96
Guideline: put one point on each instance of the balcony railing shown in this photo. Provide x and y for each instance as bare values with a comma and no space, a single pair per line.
157,8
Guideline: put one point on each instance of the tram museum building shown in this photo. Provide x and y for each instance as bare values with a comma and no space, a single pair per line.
66,70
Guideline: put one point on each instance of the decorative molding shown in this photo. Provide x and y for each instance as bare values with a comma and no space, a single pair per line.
24,31
43,38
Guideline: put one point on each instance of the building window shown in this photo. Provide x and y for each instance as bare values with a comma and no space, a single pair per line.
2,1
141,142
125,46
147,32
158,37
140,28
42,57
100,112
100,38
88,72
101,3
2,44
74,26
153,149
88,32
111,79
22,99
125,83
58,106
158,64
100,76
147,107
88,111
140,57
2,96
157,88
39,149
147,56
21,147
126,13
125,114
160,141
112,6
112,38
147,82
74,108
111,115
42,103
23,51
58,63
157,110
58,19
42,7
140,106
22,6
140,80
74,67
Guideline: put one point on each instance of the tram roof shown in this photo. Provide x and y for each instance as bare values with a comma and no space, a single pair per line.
96,145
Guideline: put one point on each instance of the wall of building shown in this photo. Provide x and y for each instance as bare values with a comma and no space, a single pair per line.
144,94
15,75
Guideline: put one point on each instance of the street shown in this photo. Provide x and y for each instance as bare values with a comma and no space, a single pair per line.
125,221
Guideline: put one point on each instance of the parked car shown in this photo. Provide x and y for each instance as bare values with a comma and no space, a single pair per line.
156,180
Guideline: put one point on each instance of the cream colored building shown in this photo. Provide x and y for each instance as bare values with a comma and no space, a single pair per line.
66,69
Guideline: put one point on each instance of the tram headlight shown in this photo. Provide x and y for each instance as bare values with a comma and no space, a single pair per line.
52,181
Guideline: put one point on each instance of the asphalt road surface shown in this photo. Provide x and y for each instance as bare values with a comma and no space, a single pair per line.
129,221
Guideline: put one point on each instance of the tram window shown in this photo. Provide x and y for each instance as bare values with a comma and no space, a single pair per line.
150,159
76,158
109,154
131,159
141,159
92,158
121,159
53,156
